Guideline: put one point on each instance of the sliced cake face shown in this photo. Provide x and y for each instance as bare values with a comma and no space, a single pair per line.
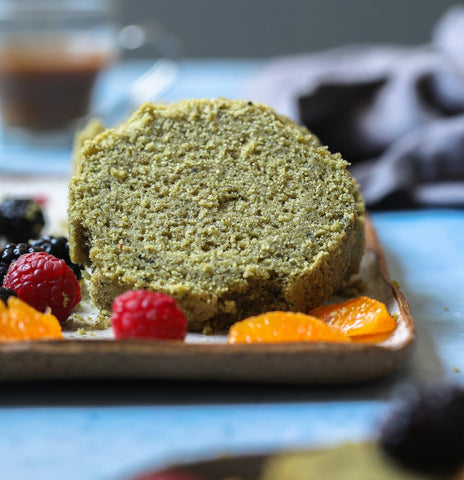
225,205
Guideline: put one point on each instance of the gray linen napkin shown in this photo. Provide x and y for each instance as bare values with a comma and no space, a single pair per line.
396,113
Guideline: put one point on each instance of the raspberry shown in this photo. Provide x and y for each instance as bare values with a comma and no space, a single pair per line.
12,252
44,281
59,248
147,314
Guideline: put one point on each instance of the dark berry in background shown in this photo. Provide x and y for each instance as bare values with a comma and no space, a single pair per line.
5,294
20,219
12,252
426,433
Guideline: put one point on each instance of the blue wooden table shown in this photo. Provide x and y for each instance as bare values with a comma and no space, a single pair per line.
105,430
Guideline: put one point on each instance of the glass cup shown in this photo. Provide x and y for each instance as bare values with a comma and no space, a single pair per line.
51,54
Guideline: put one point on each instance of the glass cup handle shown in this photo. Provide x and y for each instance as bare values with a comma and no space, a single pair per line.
159,77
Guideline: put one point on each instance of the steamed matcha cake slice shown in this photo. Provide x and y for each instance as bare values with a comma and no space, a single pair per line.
90,130
225,205
351,461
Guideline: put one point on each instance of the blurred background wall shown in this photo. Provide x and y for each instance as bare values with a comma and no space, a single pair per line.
264,28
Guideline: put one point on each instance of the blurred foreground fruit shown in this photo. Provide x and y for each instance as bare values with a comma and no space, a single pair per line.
168,474
426,432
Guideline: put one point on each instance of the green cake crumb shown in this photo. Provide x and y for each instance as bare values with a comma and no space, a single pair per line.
225,205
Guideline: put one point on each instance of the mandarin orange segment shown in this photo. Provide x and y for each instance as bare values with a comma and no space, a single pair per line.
379,338
362,316
19,321
281,327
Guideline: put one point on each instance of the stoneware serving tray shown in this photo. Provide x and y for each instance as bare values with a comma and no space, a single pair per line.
97,355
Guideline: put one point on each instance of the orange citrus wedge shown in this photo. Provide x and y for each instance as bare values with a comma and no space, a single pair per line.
19,321
362,318
281,327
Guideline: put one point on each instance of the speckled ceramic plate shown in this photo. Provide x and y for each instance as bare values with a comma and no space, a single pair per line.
98,355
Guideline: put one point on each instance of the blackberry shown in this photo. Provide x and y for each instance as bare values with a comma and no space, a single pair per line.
12,252
5,294
58,247
427,432
20,219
